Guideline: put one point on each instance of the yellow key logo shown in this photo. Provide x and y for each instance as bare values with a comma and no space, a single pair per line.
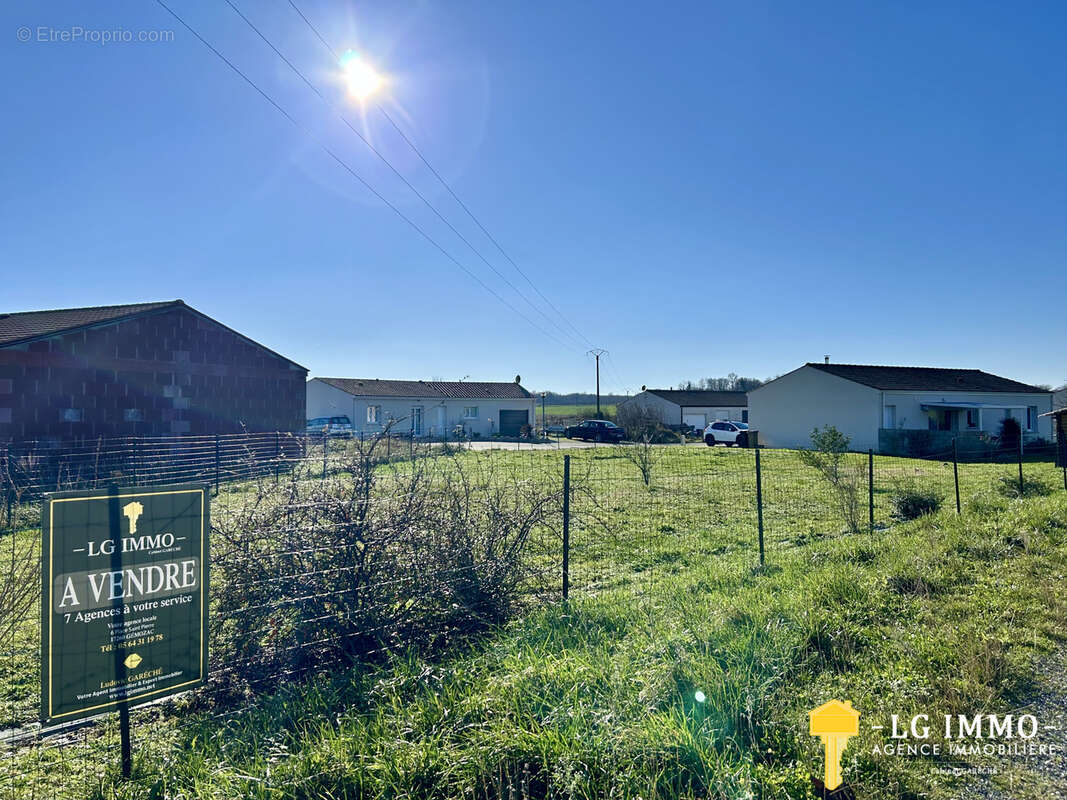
834,722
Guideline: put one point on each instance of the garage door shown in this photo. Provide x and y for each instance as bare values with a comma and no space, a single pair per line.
695,420
511,422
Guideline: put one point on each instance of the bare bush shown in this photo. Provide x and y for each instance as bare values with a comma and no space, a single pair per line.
369,559
642,422
644,456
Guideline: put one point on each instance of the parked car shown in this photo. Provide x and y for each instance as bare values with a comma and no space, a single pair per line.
330,426
555,430
728,433
596,430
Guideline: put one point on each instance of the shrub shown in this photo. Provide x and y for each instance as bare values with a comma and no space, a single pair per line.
371,559
912,502
847,480
641,422
1010,434
1008,486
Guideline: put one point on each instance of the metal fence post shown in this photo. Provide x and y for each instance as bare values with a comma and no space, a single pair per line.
1021,484
566,526
870,487
277,455
218,464
956,473
759,504
325,450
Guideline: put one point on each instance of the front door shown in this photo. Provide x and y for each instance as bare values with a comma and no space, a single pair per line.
440,423
416,421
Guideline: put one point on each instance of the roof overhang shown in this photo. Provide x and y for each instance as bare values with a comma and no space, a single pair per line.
962,405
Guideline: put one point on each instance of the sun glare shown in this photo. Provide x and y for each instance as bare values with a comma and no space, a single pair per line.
361,78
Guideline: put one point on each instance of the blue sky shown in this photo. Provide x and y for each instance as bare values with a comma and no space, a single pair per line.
701,188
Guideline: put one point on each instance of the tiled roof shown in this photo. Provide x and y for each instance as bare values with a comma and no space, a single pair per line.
467,390
26,326
927,379
23,326
701,397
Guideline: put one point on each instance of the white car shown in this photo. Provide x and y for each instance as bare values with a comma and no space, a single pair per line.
727,433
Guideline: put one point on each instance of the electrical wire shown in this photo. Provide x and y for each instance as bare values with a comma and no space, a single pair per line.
394,170
344,165
448,188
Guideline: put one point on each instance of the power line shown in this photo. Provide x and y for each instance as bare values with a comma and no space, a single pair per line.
389,164
344,165
448,188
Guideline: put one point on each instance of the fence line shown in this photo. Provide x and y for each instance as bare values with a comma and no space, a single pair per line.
467,538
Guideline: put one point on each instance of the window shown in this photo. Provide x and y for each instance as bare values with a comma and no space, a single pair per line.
132,415
1031,418
70,415
470,412
5,415
889,417
374,413
744,415
972,417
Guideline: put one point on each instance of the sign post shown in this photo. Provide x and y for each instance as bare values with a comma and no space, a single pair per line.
124,582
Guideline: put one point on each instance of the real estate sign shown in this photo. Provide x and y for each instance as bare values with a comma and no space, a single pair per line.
124,584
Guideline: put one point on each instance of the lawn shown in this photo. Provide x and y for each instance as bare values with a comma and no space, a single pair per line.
679,667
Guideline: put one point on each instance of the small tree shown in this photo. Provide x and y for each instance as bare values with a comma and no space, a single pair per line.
644,455
828,455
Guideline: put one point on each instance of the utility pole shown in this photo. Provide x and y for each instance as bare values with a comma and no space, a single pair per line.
596,353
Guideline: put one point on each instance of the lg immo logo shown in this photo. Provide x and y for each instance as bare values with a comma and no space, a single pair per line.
835,723
951,736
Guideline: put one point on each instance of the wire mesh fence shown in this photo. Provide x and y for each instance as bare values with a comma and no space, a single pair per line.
328,553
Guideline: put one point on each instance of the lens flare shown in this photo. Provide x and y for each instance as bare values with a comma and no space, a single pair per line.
360,77
700,697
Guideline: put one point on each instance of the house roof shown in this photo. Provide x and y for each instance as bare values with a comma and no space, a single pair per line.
928,379
21,327
465,390
701,397
1059,398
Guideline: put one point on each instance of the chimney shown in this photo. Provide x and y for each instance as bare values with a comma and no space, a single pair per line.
826,359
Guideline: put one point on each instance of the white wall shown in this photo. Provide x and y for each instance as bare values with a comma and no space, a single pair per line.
672,414
786,410
665,411
909,413
439,416
712,413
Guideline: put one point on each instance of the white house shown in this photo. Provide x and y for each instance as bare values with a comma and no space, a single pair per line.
894,410
425,408
697,407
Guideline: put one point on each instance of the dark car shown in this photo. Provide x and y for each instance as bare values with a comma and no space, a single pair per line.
596,430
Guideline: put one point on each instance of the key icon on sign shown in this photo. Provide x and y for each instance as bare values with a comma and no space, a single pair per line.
834,722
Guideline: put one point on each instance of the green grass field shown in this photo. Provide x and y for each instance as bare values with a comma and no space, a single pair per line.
561,411
598,697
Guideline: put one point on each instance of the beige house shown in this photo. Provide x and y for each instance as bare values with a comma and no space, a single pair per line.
895,410
423,408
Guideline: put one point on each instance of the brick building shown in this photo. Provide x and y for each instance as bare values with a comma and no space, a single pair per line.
148,369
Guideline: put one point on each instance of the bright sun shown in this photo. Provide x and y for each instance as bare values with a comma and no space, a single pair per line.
360,76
